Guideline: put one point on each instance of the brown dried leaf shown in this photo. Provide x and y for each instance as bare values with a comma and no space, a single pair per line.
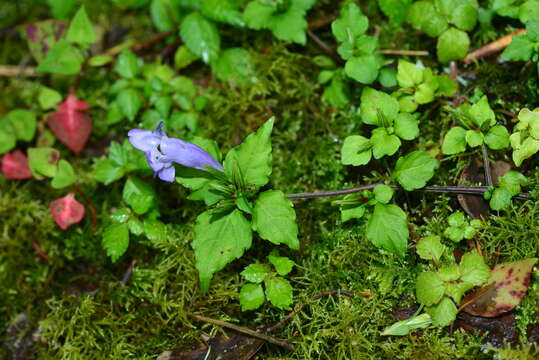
507,285
473,205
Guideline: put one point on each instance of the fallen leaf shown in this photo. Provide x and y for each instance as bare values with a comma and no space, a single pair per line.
66,211
42,35
473,205
500,331
70,124
235,347
15,166
506,286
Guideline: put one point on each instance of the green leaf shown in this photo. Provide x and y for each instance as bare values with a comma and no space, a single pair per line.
225,11
43,162
127,65
527,149
279,292
65,175
430,248
106,172
408,74
201,37
425,93
406,126
474,138
139,195
336,93
183,57
453,44
116,240
512,180
61,8
383,193
257,15
497,137
406,326
48,98
275,219
388,228
129,101
363,69
384,144
455,233
120,216
165,14
529,10
473,269
356,212
23,123
235,65
283,265
136,227
255,273
481,113
449,273
376,104
252,157
415,169
501,199
456,219
464,17
396,10
387,77
444,313
454,141
61,59
154,229
408,104
290,25
81,31
520,49
424,16
356,150
219,241
350,24
251,297
429,288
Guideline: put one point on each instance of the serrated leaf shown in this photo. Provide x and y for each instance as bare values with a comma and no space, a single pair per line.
388,228
116,240
363,69
252,157
350,24
251,297
81,31
430,248
429,288
139,195
415,169
473,269
282,264
201,37
520,49
279,292
255,273
61,59
275,219
444,313
219,242
23,123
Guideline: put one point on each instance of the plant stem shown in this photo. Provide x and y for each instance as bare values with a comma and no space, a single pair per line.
404,52
486,166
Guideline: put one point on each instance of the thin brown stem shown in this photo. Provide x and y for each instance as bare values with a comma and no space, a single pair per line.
486,166
404,52
325,47
93,214
493,47
14,70
42,254
129,272
244,330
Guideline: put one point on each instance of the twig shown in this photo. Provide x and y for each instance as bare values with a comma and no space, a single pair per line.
14,70
302,306
325,47
486,166
151,41
493,47
40,251
404,52
128,273
89,203
331,193
244,330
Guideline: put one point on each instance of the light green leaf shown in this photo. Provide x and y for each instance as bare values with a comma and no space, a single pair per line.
218,242
388,228
497,137
251,297
255,273
279,292
225,11
383,193
253,157
454,141
406,326
235,65
283,265
61,59
474,138
396,10
408,74
520,49
350,24
127,65
352,213
464,17
65,175
107,172
415,169
165,14
363,69
444,313
501,199
429,288
453,44
257,15
376,104
356,150
481,114
81,31
473,269
384,144
275,219
48,98
406,126
130,102
43,161
23,123
430,248
201,37
116,240
139,195
527,149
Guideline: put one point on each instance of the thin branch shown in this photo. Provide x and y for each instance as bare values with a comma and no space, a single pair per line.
404,52
325,47
331,193
91,208
128,273
244,330
15,70
40,251
486,166
493,47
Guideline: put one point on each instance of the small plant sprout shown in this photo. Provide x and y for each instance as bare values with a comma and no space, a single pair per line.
460,228
525,137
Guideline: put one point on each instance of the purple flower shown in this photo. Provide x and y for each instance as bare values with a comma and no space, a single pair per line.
161,151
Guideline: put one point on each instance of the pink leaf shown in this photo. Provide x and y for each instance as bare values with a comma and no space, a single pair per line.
70,124
66,211
15,166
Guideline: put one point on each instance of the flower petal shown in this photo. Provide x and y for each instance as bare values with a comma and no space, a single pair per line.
144,140
187,154
154,159
167,174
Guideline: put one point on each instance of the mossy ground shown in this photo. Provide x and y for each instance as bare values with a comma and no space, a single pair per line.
79,309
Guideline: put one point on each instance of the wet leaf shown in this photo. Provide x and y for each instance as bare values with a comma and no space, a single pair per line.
15,166
66,211
70,124
506,286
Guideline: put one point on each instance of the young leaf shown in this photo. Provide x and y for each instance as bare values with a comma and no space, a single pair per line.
429,288
387,228
66,211
350,24
116,240
376,104
474,138
497,137
165,14
383,193
406,126
453,44
251,297
283,265
65,175
356,150
279,292
255,273
443,313
127,65
415,169
139,195
81,31
481,113
219,241
473,269
61,59
201,37
408,74
41,36
43,161
15,166
454,141
363,69
130,101
252,157
430,248
70,124
275,219
406,326
384,144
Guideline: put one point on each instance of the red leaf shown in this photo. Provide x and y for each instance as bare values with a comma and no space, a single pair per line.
15,166
66,211
70,124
